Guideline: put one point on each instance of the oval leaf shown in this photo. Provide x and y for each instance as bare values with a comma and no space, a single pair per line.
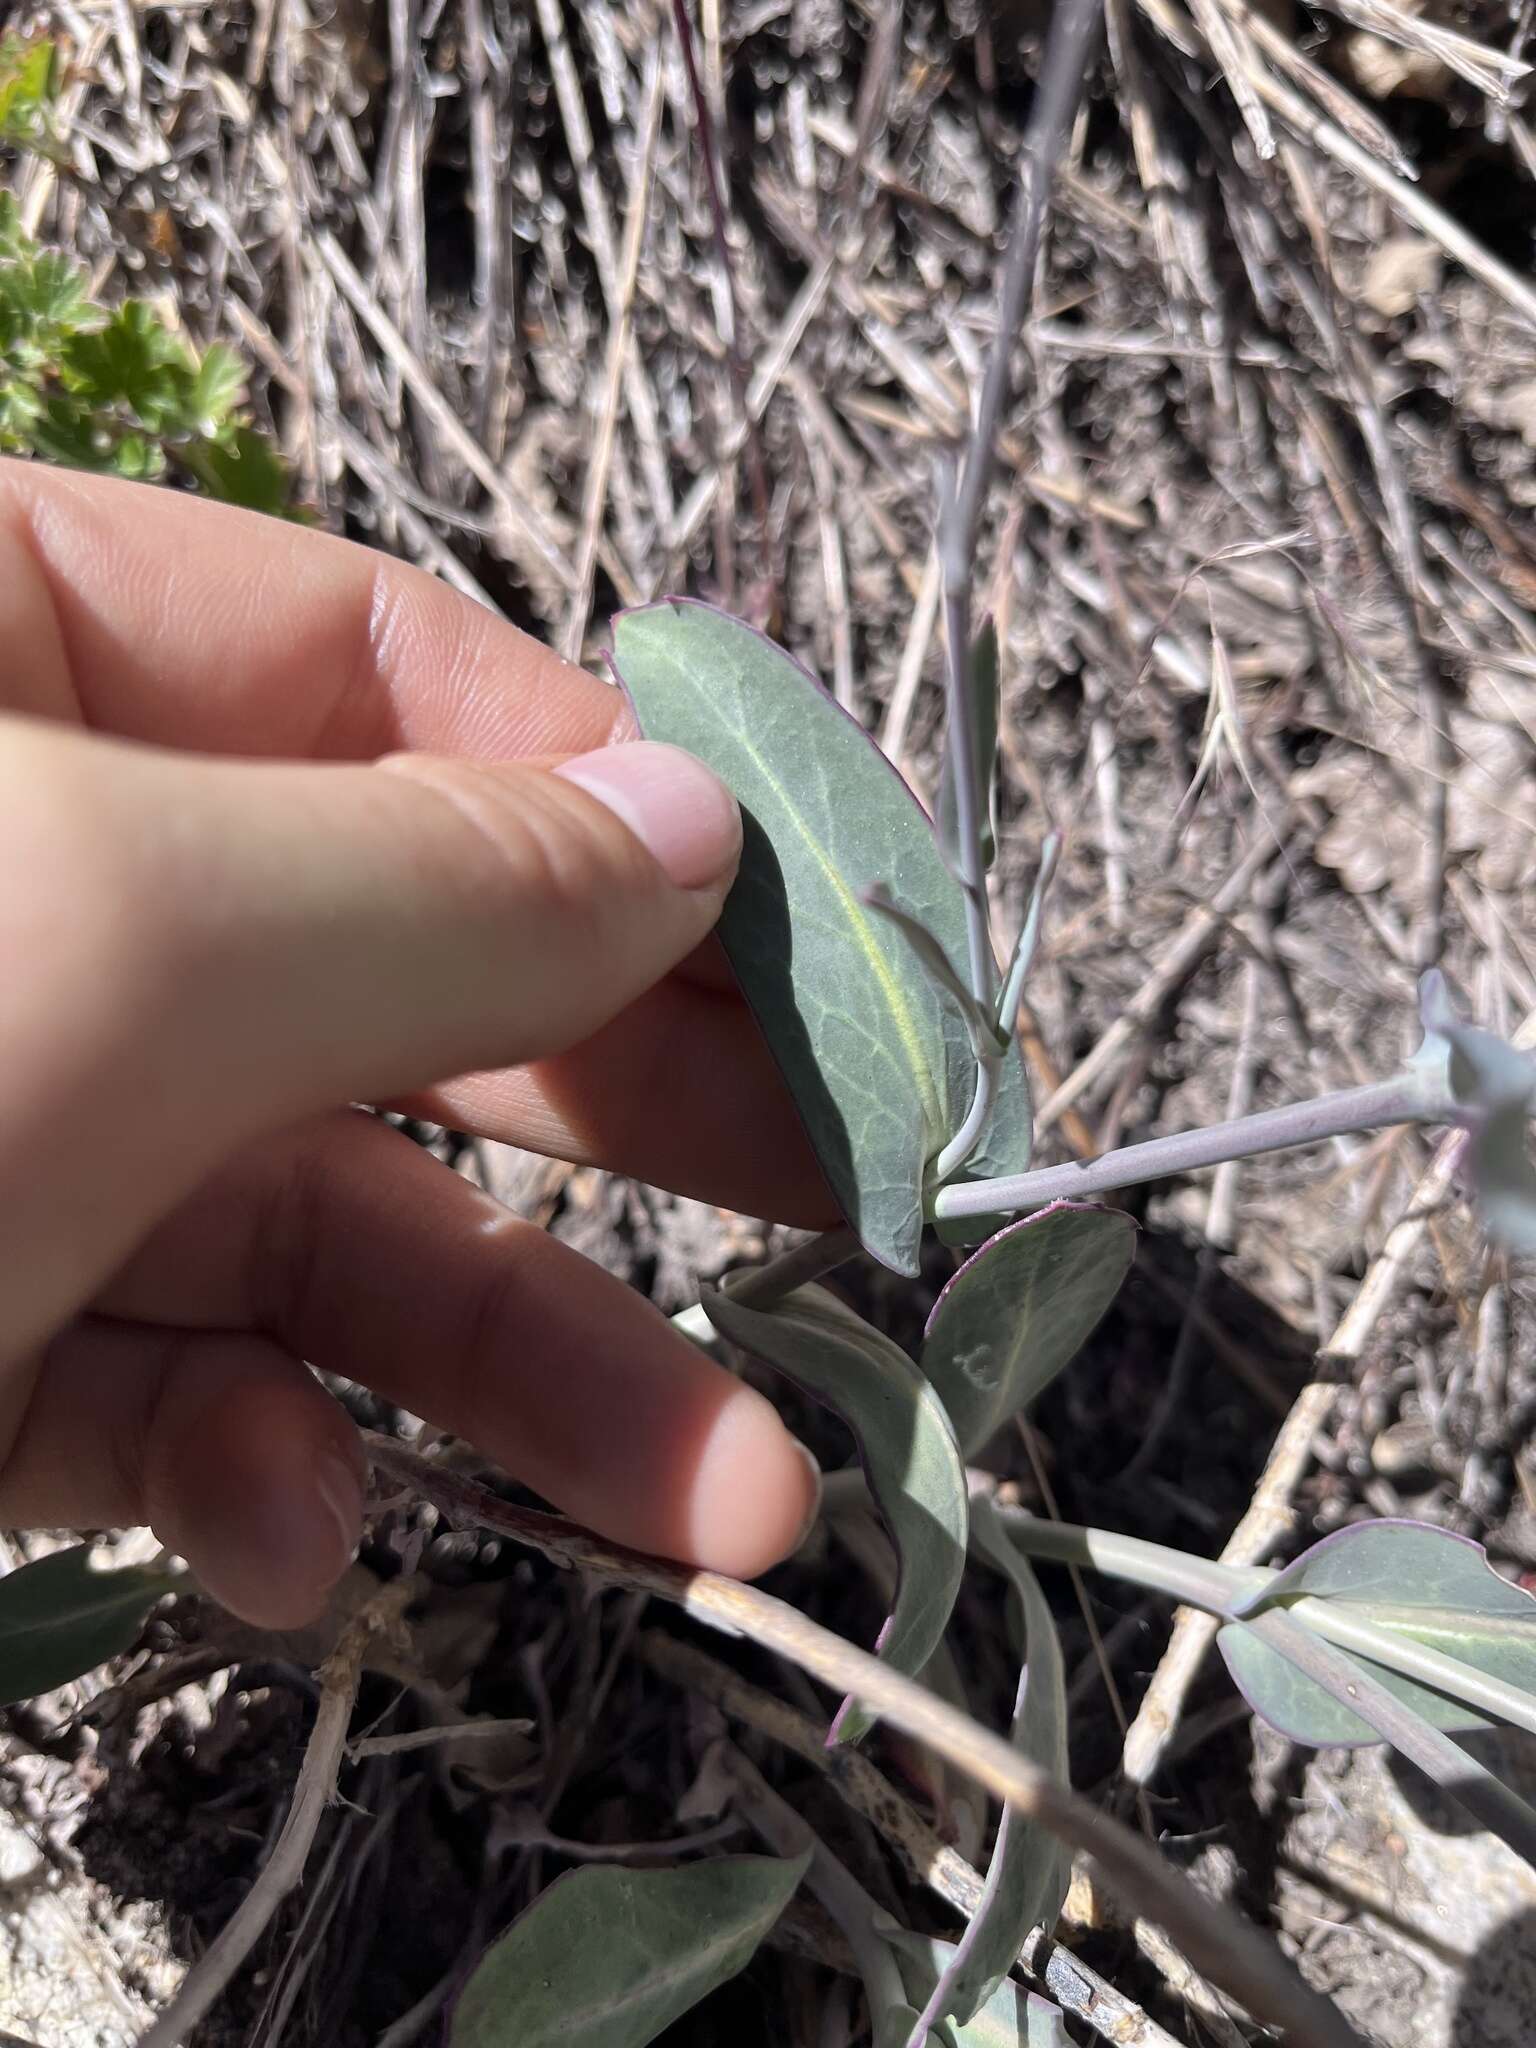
1297,1705
1020,1309
906,1445
63,1615
611,1957
877,1058
1411,1580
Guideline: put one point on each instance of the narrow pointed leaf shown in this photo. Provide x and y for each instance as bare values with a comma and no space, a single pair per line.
982,681
63,1615
877,1059
1028,1875
906,1445
1020,1309
1010,997
611,1957
1418,1583
937,964
1011,2018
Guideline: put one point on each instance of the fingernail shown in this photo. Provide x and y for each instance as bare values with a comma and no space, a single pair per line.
682,814
814,1514
340,1492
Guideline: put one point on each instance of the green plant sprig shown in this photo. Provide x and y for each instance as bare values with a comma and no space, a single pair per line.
115,391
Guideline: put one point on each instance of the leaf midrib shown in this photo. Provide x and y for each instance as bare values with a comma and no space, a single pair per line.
890,988
106,1607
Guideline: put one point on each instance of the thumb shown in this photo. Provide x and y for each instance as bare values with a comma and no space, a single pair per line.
215,947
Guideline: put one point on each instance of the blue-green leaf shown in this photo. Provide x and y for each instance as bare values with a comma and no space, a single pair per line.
64,1614
1010,2018
1418,1583
1028,1875
611,1957
1020,1309
907,1447
878,1060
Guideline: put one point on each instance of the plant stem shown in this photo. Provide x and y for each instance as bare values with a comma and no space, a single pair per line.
1350,1630
1217,1941
1196,1581
927,1860
1407,1098
762,1286
1012,996
802,1263
830,1881
968,1137
1073,34
1220,1590
956,548
734,354
1075,31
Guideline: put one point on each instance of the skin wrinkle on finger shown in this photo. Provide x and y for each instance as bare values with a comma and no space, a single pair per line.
279,970
747,1149
344,1243
223,1443
36,679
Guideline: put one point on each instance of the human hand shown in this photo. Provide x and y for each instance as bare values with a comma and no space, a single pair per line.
280,832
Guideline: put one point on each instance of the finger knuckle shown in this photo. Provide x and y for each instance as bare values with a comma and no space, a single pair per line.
60,834
559,868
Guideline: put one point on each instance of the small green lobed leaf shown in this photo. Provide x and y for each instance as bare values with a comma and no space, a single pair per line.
906,1445
877,1059
240,466
1427,1585
1020,1309
216,384
64,1614
610,1957
27,87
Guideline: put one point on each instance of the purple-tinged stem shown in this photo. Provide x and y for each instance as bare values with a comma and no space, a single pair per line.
797,1267
1408,1098
708,143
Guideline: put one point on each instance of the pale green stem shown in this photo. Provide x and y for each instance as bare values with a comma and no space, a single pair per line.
1414,1096
968,1137
1196,1581
838,1890
1028,940
1343,1624
762,1286
1218,1588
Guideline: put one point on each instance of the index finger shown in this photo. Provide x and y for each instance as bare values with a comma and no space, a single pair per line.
188,624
